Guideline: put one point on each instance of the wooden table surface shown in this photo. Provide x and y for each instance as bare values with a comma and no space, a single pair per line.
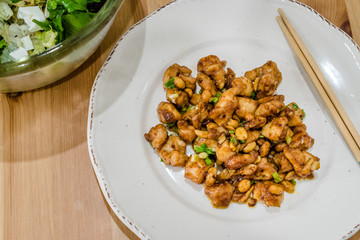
49,188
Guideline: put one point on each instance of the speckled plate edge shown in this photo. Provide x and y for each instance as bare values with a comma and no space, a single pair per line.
97,169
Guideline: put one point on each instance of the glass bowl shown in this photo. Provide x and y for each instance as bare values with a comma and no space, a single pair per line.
57,62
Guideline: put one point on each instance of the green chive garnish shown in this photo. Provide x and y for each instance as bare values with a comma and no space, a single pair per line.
208,161
170,84
276,177
295,106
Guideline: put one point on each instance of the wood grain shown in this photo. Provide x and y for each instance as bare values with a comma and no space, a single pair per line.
353,9
48,185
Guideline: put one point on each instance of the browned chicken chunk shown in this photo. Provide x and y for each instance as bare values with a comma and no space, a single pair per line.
173,152
168,113
269,193
220,194
157,136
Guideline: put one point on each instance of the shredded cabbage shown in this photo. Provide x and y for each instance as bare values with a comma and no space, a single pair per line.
5,11
63,18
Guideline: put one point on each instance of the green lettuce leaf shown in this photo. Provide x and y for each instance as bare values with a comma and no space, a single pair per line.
3,45
43,40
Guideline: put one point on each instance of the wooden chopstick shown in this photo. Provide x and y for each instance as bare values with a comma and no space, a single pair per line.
347,129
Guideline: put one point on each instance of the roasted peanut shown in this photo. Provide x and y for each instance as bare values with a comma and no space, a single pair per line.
179,83
241,133
288,186
244,185
249,147
276,189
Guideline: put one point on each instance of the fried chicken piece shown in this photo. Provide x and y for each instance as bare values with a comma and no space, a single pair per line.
229,76
240,160
175,70
264,170
268,193
206,83
220,194
247,170
186,131
268,78
190,82
244,84
195,169
257,122
168,113
196,115
294,114
276,129
225,106
157,136
301,140
215,131
302,161
177,97
246,108
269,109
300,128
282,162
280,98
213,67
224,152
173,152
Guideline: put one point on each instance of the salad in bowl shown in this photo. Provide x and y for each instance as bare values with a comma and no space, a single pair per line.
29,27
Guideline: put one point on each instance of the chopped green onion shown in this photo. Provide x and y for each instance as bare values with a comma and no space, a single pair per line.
170,84
233,141
161,160
215,99
261,136
198,149
295,106
208,161
288,140
209,151
276,177
203,155
304,114
252,182
242,123
203,148
253,95
169,125
243,141
200,91
281,109
293,182
232,132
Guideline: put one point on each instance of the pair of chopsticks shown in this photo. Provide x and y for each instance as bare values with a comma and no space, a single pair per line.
342,120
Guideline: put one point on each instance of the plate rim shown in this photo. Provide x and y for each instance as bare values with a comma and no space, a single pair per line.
97,169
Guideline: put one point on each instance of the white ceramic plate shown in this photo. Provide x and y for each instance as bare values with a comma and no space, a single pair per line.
154,200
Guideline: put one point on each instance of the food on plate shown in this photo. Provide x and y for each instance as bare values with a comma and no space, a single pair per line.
31,27
248,145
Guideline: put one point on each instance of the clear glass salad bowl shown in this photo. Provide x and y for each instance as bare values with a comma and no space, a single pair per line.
57,62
